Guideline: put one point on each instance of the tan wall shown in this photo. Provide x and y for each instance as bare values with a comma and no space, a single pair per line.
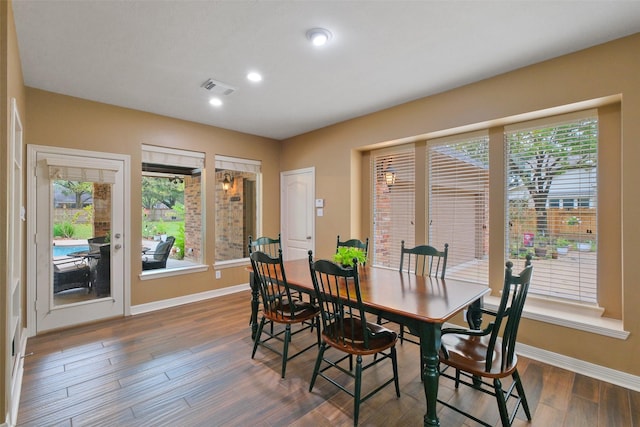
11,86
608,70
64,121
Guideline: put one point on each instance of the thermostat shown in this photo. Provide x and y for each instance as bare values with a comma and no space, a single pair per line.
319,203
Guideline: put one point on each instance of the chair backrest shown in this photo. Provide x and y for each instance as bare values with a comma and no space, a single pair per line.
424,260
338,293
510,309
95,243
274,288
163,249
354,243
268,245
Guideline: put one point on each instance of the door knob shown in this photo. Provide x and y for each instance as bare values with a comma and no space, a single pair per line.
118,246
117,235
308,237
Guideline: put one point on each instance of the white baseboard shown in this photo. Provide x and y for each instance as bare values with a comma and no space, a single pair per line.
174,302
602,373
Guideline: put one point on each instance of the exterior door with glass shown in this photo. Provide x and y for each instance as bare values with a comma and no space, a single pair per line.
79,238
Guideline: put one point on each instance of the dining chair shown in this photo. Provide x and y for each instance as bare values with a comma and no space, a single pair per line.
280,308
269,245
421,260
345,329
354,243
480,356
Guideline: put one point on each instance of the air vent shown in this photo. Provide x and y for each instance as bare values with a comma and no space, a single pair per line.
218,88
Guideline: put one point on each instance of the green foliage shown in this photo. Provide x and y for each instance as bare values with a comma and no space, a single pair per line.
64,229
179,243
82,191
345,256
164,190
562,243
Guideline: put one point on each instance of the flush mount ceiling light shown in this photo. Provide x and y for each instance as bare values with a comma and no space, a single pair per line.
319,36
254,77
216,102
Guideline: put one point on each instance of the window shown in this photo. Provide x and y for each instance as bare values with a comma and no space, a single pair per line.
548,161
172,203
458,170
393,204
237,208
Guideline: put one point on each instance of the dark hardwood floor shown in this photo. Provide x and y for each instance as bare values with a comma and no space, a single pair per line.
191,366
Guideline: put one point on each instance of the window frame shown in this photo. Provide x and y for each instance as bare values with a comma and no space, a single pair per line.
176,160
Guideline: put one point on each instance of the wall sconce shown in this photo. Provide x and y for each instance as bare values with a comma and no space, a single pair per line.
390,176
227,182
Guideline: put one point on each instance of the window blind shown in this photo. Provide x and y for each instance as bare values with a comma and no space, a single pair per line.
171,156
66,170
393,204
552,203
458,171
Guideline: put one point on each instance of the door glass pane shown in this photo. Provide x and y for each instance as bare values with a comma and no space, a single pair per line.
81,237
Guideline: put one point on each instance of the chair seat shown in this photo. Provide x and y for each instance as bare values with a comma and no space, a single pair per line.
469,353
380,338
297,312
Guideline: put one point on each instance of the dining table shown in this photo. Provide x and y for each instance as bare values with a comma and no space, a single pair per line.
421,303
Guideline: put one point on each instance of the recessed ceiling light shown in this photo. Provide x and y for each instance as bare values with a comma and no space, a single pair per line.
216,102
254,77
319,36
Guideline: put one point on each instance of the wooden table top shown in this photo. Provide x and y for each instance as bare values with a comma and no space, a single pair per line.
425,299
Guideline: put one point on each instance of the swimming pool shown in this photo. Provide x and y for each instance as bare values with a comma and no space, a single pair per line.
65,250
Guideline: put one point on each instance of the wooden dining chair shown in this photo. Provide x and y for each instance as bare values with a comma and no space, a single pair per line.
269,245
480,356
421,260
354,243
280,308
345,329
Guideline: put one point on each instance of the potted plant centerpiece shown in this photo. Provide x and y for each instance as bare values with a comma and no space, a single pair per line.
345,256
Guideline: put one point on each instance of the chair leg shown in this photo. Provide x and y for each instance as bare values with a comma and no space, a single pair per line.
401,333
502,403
316,368
256,341
356,392
285,350
523,397
394,362
317,323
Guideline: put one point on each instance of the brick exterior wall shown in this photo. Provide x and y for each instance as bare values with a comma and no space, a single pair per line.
193,218
101,209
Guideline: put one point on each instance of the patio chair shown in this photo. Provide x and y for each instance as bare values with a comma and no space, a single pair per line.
158,258
70,273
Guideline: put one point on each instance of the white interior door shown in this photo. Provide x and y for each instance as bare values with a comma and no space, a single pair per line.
76,283
297,220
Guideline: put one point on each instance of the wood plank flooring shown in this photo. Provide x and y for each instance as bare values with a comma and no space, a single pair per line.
191,366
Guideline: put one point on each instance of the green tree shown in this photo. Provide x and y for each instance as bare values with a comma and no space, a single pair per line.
536,157
168,191
82,191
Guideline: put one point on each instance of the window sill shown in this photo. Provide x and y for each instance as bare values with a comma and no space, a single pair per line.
159,273
575,316
242,262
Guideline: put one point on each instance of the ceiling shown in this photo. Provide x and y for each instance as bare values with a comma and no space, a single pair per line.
155,55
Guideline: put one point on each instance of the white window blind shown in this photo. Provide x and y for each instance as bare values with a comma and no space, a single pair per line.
171,156
458,170
552,203
237,164
393,204
76,171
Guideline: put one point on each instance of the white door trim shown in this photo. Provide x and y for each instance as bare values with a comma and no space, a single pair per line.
32,152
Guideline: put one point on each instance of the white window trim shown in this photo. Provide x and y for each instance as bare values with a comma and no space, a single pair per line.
563,313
